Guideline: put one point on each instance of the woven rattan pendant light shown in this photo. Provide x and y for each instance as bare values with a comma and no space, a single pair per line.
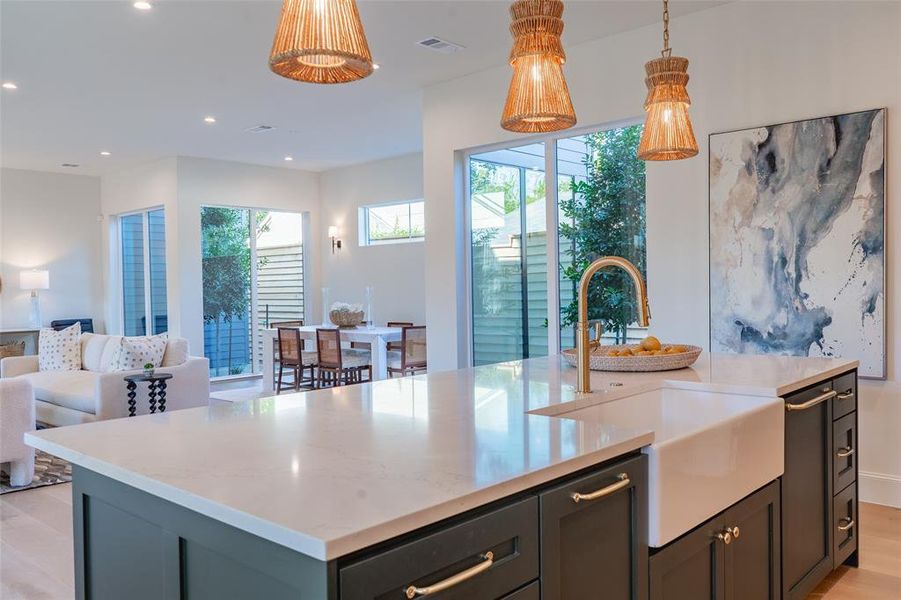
667,134
538,99
320,41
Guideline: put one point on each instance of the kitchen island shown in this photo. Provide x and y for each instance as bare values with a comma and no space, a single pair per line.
382,490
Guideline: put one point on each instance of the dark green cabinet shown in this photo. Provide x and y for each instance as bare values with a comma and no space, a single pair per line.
733,556
820,468
594,535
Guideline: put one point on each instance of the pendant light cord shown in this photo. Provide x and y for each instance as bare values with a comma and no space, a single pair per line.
666,49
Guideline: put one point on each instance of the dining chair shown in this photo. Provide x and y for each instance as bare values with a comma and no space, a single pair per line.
397,345
292,356
339,366
275,353
411,359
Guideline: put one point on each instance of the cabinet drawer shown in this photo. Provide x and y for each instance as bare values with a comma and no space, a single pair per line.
846,400
844,452
495,553
845,524
530,592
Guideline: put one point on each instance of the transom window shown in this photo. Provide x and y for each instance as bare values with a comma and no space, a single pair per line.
392,223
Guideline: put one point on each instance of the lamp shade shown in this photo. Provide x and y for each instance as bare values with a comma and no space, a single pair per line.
34,280
320,41
332,231
538,99
667,134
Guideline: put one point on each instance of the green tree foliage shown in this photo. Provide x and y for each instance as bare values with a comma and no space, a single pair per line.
606,217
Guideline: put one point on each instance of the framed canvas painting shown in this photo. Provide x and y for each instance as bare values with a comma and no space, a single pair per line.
797,238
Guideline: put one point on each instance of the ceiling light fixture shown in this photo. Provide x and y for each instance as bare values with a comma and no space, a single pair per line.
538,99
9,85
210,120
667,134
104,153
142,5
289,158
320,41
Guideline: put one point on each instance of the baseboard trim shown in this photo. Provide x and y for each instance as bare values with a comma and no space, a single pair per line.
880,488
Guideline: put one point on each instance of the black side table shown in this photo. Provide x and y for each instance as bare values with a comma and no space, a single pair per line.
157,384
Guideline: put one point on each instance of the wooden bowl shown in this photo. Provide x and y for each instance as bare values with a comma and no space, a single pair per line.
599,360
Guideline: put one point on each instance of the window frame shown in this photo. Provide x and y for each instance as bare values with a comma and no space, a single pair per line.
551,215
363,237
148,293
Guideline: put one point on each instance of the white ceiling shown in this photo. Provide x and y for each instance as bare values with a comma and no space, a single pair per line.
101,75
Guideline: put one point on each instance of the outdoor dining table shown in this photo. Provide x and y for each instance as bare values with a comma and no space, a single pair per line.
376,337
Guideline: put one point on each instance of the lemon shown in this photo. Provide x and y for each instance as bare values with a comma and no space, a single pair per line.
650,343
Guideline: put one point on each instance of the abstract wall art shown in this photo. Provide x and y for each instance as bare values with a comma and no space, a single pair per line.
797,238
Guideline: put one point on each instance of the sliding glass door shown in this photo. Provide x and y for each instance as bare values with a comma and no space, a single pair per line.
252,275
522,280
142,239
509,254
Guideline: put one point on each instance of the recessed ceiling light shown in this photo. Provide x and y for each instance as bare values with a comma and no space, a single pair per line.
104,153
289,158
69,165
9,85
142,5
209,119
376,66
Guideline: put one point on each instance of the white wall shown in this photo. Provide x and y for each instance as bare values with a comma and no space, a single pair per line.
752,63
50,221
396,271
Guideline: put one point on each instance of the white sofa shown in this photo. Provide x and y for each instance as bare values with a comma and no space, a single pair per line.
16,418
95,393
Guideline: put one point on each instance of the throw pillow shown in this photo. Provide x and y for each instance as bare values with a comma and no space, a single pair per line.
176,352
135,352
60,350
12,349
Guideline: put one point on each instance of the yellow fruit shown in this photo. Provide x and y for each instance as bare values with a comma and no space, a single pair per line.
644,353
626,352
613,353
650,343
677,349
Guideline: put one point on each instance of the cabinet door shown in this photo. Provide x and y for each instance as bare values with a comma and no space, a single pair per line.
807,491
753,568
594,535
692,567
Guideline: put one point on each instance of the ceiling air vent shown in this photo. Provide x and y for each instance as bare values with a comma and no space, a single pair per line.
69,165
259,129
439,45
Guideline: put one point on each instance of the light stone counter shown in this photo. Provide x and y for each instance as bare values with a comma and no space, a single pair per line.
330,472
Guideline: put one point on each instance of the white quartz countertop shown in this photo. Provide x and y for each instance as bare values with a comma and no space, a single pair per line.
330,472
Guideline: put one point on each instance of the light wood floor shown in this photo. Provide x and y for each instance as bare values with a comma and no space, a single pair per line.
36,550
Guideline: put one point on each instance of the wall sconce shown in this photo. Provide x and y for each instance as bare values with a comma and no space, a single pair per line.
35,280
333,235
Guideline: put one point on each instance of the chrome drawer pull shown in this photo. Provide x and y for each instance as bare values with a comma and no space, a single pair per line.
812,402
736,532
623,482
487,561
845,452
848,524
845,395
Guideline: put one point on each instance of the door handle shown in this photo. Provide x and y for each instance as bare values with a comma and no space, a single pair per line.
812,402
845,452
845,524
623,482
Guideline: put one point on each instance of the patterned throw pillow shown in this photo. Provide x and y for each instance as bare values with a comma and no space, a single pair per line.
135,352
60,350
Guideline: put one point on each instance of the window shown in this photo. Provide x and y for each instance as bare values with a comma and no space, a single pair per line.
252,264
523,281
392,223
143,263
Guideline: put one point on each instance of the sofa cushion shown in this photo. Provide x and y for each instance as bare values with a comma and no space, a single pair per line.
71,389
60,350
176,352
110,354
92,346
